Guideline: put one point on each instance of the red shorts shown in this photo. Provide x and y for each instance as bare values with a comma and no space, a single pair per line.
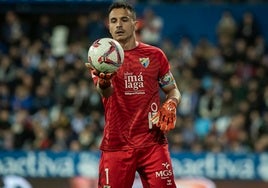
117,169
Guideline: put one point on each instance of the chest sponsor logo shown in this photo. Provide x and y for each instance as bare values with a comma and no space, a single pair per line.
134,84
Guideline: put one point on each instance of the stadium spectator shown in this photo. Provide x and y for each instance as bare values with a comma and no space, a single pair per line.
248,28
13,28
151,31
227,26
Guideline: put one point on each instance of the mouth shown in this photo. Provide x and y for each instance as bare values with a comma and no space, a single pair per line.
119,32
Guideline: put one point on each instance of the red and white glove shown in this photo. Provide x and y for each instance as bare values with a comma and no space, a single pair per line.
104,79
165,118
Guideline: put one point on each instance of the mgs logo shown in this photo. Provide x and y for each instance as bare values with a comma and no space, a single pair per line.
164,174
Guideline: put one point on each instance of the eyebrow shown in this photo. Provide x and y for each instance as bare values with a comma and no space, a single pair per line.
121,17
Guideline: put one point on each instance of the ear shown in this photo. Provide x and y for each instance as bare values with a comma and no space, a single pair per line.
136,25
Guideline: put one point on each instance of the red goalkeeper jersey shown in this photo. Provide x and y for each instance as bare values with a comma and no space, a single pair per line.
135,99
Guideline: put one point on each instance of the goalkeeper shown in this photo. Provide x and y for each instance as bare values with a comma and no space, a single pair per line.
136,122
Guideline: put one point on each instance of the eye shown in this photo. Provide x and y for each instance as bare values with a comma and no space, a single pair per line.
125,19
113,20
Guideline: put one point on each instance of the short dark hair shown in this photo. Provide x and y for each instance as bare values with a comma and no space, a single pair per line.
123,5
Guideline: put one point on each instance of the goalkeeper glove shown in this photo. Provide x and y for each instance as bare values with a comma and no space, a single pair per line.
104,79
165,118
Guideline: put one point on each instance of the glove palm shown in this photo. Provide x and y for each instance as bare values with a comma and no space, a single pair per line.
104,79
165,118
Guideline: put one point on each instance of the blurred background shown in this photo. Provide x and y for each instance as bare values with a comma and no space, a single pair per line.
51,118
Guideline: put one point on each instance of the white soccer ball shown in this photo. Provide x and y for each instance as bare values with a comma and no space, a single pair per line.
106,55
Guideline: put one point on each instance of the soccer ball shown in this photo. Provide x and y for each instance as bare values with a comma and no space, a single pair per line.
106,55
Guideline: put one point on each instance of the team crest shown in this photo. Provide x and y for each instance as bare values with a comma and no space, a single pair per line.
145,61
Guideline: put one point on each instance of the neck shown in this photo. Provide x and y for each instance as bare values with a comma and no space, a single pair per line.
130,44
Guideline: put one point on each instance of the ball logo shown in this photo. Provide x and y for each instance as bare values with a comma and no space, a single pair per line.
105,57
96,44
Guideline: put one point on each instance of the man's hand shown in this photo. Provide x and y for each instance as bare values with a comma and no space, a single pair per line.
104,79
165,118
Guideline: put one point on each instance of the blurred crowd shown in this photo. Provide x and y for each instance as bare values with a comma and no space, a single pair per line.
199,1
48,101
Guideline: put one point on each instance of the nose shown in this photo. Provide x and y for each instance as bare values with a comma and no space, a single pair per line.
119,24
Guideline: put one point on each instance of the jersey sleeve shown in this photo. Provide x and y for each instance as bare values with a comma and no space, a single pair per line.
165,76
164,64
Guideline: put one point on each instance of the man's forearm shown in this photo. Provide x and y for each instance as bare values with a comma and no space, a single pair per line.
175,95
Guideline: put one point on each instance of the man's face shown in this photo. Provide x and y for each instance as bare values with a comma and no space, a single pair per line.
121,24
